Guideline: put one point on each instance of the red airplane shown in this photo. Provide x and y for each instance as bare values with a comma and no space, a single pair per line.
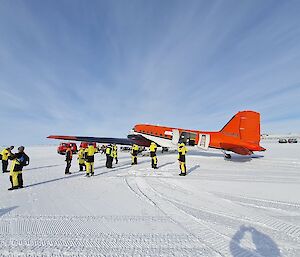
240,135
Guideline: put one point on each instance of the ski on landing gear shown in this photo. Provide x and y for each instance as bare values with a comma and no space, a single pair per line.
227,155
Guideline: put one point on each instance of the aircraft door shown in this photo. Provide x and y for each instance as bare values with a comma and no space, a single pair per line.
175,137
188,138
204,140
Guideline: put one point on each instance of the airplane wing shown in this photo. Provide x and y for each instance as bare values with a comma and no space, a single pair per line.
132,139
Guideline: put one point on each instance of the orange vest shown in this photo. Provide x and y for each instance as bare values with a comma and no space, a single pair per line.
71,154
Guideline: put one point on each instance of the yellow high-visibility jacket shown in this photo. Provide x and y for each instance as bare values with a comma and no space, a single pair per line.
12,167
134,149
114,151
108,150
5,154
81,156
89,153
181,152
153,147
19,160
182,149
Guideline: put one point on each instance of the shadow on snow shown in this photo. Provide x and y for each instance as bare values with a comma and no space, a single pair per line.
264,245
7,210
79,173
193,168
44,167
165,164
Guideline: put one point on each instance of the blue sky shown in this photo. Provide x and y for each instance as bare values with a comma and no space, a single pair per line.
99,67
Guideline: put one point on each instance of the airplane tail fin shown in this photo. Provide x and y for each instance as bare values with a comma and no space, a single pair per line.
245,125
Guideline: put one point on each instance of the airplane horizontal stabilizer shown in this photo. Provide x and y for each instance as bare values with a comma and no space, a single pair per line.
236,149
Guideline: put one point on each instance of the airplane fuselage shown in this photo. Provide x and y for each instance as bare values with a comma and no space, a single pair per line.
164,135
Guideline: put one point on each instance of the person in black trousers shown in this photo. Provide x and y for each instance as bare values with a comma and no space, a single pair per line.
68,160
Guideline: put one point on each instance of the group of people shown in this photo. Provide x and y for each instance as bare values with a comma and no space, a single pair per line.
18,161
111,152
85,158
135,151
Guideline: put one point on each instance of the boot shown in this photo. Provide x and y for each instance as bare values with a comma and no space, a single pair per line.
12,188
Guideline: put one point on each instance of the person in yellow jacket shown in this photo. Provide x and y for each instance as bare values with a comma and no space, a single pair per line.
89,159
181,158
19,160
109,156
80,159
134,153
153,148
5,153
115,152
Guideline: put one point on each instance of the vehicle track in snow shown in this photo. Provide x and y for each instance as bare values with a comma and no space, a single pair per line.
252,179
176,218
284,232
261,203
225,223
291,230
215,240
136,190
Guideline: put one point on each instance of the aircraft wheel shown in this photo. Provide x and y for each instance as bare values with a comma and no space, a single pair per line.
227,156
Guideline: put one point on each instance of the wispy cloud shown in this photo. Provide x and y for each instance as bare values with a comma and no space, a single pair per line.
99,67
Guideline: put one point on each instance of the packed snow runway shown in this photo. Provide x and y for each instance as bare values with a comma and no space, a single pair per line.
239,207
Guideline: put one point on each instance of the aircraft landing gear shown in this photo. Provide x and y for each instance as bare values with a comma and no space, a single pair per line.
227,156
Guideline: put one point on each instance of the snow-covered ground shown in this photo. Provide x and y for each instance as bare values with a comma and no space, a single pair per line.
241,207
